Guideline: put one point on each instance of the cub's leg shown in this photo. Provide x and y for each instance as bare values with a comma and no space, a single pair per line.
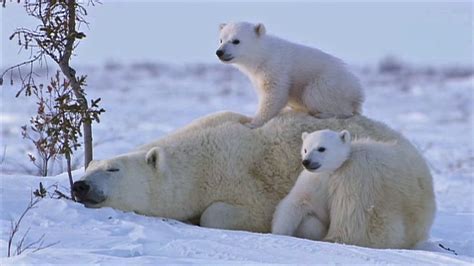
311,228
296,205
288,215
273,97
303,212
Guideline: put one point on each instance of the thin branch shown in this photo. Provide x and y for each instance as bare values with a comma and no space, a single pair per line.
19,245
16,225
61,195
21,64
4,155
40,247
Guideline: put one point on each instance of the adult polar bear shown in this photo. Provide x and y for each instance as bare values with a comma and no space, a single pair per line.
222,174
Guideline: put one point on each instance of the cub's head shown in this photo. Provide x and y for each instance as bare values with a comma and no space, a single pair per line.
325,150
239,42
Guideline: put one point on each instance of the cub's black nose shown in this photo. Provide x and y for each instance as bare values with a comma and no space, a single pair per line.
306,163
219,53
80,189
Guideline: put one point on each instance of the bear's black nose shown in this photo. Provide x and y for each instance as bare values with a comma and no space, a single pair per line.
306,162
80,189
219,53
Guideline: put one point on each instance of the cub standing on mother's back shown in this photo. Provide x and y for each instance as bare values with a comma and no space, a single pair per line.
286,73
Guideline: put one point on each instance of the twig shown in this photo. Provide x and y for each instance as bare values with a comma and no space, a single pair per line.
15,226
447,249
4,155
61,195
21,64
21,245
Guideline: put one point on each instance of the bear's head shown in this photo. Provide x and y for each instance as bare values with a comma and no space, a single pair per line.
240,42
325,150
127,182
108,182
147,182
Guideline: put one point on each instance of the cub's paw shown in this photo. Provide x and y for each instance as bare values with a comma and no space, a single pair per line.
281,229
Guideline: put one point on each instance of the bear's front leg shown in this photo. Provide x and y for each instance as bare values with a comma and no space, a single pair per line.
273,97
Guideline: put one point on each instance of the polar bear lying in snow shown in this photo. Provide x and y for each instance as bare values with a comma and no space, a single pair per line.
218,172
365,192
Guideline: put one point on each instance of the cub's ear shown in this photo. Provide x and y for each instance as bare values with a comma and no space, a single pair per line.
152,157
260,29
303,136
221,26
345,136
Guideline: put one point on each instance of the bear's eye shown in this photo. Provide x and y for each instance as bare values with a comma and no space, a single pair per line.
304,150
321,149
235,42
220,40
113,170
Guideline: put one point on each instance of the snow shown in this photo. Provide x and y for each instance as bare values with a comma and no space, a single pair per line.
145,101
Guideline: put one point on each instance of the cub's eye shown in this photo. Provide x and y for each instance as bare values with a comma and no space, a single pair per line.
321,149
113,170
304,150
220,40
235,42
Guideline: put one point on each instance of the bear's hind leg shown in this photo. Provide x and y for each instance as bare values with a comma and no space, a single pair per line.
226,216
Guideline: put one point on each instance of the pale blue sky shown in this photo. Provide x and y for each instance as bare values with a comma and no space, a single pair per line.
357,32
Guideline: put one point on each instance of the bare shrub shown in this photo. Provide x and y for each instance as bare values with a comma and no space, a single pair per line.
21,244
55,37
57,124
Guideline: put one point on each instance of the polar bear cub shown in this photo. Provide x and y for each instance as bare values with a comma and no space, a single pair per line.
304,211
286,73
360,192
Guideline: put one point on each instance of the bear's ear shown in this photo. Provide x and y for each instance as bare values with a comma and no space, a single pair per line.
91,163
345,136
260,29
152,157
303,136
221,26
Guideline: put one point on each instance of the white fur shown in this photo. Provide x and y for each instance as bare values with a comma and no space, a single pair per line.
286,73
222,174
375,193
306,201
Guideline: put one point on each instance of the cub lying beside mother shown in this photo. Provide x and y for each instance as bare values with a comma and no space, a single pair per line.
364,192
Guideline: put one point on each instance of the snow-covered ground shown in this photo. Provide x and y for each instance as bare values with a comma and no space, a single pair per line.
432,106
